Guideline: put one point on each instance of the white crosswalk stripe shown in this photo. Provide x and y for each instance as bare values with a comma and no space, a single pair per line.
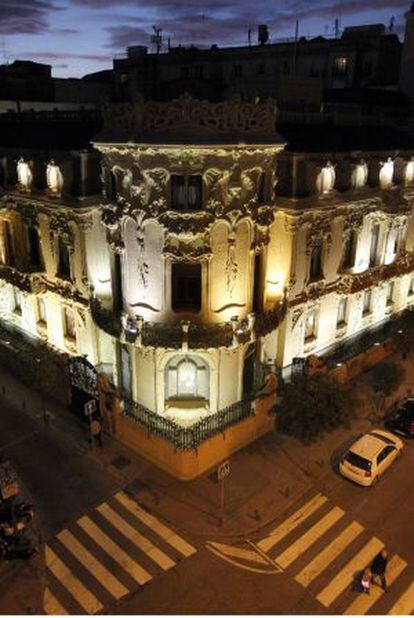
292,522
78,586
363,603
152,522
341,579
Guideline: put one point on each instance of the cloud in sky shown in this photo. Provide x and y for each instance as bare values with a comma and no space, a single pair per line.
26,16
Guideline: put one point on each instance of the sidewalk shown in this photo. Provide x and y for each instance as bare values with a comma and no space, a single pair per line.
266,477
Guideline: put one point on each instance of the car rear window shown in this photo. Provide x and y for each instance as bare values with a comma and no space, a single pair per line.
358,461
383,438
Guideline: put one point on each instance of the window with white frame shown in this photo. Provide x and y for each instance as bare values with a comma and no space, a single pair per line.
69,323
367,302
310,326
17,301
342,310
64,265
186,377
41,311
390,293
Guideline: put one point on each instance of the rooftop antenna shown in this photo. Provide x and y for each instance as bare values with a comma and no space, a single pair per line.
391,25
336,28
156,38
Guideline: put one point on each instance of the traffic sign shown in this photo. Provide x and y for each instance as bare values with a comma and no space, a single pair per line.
90,407
223,470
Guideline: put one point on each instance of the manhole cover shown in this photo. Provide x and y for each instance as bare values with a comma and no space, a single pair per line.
120,462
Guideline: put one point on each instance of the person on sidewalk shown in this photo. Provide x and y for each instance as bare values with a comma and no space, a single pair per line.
96,431
379,567
366,580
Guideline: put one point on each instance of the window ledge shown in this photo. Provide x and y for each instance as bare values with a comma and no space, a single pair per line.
70,343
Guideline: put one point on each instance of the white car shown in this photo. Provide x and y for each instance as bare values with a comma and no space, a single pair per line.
369,457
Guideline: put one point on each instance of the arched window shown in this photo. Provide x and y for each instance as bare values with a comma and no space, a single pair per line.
326,179
187,377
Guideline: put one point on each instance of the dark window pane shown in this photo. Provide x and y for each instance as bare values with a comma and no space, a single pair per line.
316,262
64,260
195,192
34,246
178,193
186,287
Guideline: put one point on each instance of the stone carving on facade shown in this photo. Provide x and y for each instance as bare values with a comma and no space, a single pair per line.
24,175
59,226
296,316
143,267
186,114
193,224
54,178
182,250
319,227
231,267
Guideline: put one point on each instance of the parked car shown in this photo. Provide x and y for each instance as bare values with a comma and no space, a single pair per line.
402,420
368,458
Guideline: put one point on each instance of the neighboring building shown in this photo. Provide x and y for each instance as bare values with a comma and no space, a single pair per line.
27,85
407,60
217,255
295,73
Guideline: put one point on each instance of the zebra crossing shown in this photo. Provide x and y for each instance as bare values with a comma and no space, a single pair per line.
107,554
324,552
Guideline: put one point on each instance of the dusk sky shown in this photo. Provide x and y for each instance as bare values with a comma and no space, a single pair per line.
82,36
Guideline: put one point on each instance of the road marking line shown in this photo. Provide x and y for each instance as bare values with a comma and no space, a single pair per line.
292,522
51,605
139,574
364,602
405,604
329,554
263,571
101,573
309,538
136,537
345,577
152,522
80,593
238,552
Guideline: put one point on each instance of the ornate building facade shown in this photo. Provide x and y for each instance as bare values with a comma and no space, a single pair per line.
216,255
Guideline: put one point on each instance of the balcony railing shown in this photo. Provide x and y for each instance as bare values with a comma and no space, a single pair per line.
187,438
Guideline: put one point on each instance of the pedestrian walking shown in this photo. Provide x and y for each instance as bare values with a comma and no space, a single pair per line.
96,431
366,580
379,568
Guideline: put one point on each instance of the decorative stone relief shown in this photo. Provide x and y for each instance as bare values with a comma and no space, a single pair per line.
231,264
54,178
24,175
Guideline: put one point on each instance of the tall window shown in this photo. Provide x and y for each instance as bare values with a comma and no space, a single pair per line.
186,286
316,272
64,259
373,249
310,325
41,312
340,67
366,302
390,293
341,316
186,192
397,241
349,250
17,301
411,287
261,189
186,377
69,323
34,246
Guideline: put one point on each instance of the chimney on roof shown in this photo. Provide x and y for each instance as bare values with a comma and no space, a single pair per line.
263,34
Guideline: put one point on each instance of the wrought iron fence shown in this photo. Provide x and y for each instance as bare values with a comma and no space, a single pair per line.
187,438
